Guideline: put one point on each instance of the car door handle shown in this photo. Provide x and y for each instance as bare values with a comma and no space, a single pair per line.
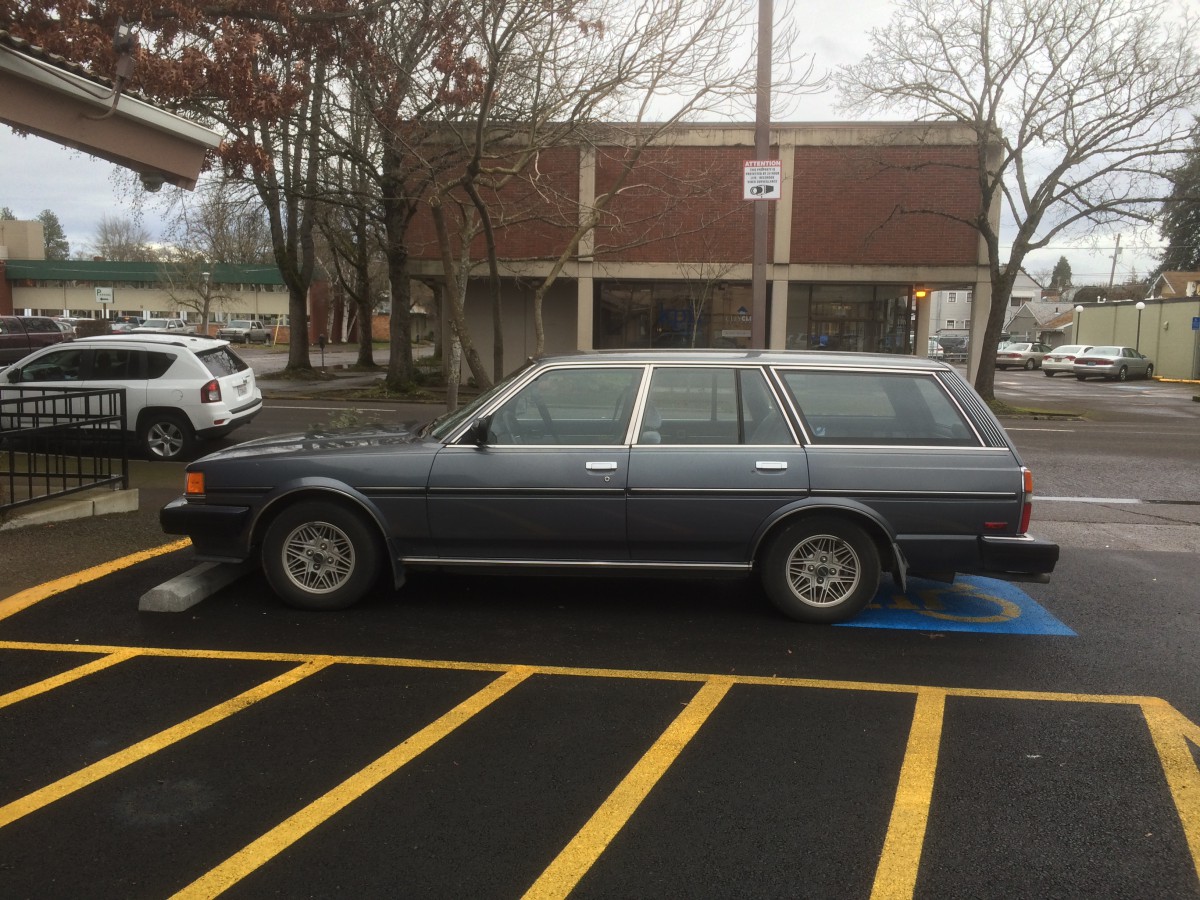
601,466
767,465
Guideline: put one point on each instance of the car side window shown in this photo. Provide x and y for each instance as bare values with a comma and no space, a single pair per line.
877,408
569,406
112,363
157,363
691,405
61,365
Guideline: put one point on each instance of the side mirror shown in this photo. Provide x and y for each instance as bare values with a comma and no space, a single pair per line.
477,434
14,376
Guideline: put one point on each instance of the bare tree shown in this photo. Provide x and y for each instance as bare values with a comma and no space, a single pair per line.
549,74
121,240
1078,109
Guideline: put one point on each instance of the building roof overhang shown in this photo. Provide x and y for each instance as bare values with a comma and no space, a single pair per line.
49,97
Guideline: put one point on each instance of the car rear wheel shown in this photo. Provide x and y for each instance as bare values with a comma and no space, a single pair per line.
319,555
166,436
821,570
1030,365
1123,374
1047,374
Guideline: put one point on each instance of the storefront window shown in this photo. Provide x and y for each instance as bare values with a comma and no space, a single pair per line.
853,317
685,314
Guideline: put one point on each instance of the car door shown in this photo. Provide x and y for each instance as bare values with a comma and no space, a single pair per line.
548,480
714,456
123,369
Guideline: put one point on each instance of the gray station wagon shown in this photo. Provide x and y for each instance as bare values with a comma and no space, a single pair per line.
814,471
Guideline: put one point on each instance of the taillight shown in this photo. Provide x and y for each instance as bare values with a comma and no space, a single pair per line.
211,392
1026,500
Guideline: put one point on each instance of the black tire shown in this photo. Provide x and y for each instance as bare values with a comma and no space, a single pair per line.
1081,378
821,570
1030,365
1047,374
1123,374
320,555
166,436
1149,372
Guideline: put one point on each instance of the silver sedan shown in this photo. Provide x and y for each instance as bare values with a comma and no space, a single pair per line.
1120,363
1025,356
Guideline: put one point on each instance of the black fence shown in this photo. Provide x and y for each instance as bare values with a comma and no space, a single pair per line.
59,441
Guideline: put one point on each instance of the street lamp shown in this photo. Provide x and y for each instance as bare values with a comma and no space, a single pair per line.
1137,344
1075,338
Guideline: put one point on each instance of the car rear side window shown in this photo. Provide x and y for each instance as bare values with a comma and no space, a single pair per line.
877,408
221,361
158,363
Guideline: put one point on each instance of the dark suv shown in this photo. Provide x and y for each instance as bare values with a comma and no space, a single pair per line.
815,471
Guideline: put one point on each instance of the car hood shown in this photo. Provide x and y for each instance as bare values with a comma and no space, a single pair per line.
322,442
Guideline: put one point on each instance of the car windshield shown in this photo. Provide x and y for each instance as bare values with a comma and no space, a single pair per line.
447,422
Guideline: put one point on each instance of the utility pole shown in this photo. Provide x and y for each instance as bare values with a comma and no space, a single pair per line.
1112,273
762,151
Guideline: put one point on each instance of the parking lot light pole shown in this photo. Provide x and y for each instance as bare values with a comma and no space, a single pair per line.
1078,324
1137,343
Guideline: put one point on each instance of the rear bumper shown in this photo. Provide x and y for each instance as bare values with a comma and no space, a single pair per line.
237,417
1018,558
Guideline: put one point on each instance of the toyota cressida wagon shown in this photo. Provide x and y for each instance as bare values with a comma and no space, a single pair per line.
814,472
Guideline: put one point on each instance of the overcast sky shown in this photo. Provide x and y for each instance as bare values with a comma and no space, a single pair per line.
79,189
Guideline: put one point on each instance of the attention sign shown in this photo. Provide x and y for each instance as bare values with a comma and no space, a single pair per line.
761,179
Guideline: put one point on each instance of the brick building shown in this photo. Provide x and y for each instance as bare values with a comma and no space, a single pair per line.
866,212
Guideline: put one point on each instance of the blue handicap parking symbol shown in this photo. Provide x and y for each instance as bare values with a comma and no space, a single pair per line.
971,603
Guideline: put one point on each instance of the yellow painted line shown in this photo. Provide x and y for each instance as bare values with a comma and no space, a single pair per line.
563,874
1171,733
24,599
282,836
583,672
56,681
88,775
896,876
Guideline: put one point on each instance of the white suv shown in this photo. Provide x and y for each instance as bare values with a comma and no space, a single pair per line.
179,389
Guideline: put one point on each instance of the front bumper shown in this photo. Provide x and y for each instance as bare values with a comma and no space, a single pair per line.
218,533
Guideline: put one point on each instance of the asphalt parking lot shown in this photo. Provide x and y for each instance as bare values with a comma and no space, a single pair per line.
552,737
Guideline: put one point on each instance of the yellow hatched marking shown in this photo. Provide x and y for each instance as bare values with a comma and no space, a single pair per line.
561,877
279,838
56,681
896,876
88,775
1171,733
24,599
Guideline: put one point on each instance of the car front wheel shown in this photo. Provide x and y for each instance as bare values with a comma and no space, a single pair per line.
821,570
319,555
166,436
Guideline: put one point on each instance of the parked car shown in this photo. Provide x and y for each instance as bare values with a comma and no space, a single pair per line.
178,390
1024,355
815,471
162,326
936,351
1118,363
120,324
66,327
245,331
1062,359
20,335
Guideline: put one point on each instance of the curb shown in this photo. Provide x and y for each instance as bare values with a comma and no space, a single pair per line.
101,502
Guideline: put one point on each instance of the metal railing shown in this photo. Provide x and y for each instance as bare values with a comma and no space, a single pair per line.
59,441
